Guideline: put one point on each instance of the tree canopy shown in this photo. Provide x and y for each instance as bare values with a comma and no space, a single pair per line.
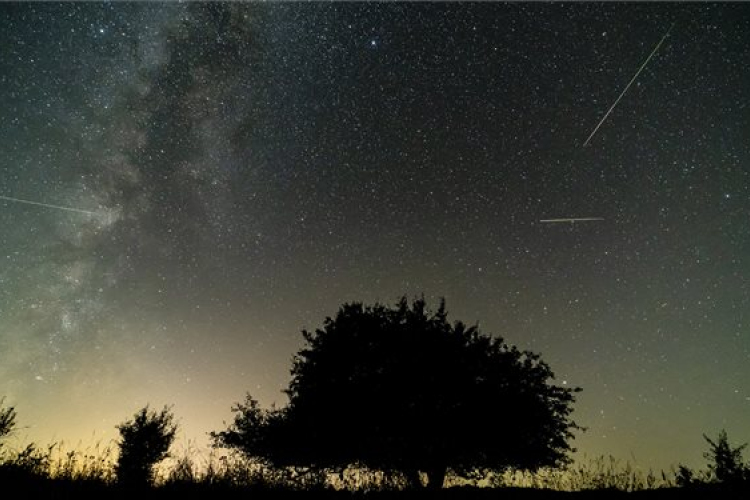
401,389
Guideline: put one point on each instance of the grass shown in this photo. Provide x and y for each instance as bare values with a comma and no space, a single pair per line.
57,473
598,473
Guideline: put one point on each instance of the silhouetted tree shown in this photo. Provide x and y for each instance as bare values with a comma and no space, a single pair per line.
144,442
725,462
401,389
7,420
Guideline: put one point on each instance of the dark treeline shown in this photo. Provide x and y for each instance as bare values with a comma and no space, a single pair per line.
383,400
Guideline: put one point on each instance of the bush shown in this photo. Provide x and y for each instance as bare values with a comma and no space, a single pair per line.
145,441
725,462
7,420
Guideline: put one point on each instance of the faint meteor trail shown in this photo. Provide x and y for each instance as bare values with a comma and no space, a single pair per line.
571,219
629,84
48,205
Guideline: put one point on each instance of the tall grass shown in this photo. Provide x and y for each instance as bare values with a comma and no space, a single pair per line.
92,464
599,473
227,470
55,462
191,469
234,471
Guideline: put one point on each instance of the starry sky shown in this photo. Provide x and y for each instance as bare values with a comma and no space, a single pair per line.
240,170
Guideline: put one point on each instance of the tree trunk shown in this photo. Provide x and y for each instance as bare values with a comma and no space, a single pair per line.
413,479
436,477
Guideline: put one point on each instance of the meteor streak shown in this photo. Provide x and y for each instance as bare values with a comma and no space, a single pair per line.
629,84
48,205
571,219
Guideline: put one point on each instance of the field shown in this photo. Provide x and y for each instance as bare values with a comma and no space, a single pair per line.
54,473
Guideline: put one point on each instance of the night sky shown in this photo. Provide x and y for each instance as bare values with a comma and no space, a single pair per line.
238,171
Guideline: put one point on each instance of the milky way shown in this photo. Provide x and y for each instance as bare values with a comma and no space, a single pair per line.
247,168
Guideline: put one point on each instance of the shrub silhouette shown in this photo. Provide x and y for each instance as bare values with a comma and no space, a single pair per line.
402,390
685,477
7,420
144,442
725,462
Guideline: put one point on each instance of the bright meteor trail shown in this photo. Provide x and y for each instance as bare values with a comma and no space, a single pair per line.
48,205
629,84
571,219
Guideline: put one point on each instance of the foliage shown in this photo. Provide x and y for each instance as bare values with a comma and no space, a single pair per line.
685,477
31,461
7,420
725,462
400,389
144,441
725,467
257,432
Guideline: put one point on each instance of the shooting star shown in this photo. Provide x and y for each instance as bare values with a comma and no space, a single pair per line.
628,85
571,220
49,205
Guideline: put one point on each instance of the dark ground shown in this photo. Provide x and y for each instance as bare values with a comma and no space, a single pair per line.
52,490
